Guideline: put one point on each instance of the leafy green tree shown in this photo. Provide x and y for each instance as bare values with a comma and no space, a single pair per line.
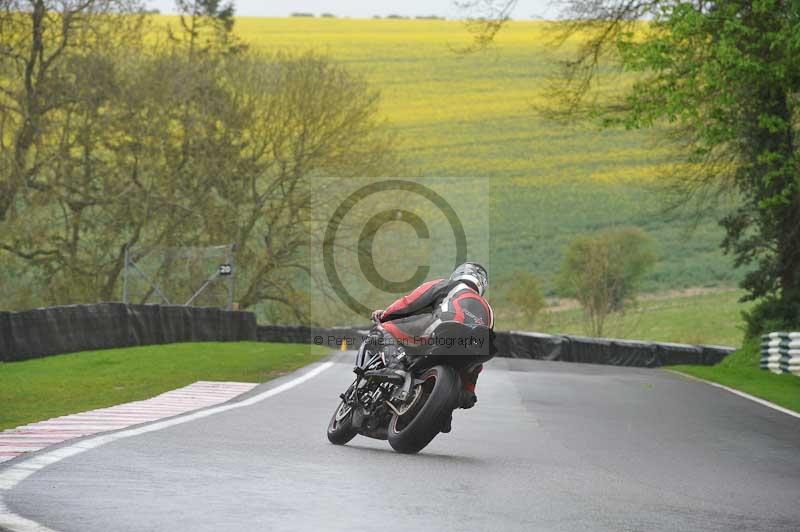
38,39
289,119
51,65
140,145
723,77
602,271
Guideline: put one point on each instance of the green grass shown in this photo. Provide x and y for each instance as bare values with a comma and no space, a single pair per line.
34,390
706,319
474,115
740,370
461,114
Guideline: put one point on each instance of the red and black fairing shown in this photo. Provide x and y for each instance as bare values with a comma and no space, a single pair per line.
412,318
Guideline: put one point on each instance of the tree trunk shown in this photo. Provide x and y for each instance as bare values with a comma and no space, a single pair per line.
31,111
789,249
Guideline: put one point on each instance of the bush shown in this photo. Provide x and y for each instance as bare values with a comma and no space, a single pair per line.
771,315
603,271
748,356
525,294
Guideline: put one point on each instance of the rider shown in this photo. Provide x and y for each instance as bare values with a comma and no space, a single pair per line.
411,319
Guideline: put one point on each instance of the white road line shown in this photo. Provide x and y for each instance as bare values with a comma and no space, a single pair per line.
12,521
15,474
740,394
192,397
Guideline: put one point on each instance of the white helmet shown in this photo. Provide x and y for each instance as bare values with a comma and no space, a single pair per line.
472,273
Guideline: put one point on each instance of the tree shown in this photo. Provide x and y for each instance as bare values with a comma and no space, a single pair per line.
149,146
602,271
723,77
37,39
303,116
50,66
525,294
102,186
206,26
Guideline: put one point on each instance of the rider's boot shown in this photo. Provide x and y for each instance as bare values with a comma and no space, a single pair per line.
467,399
393,375
448,424
469,379
395,370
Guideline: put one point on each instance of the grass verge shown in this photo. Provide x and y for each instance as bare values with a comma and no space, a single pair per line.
34,390
713,318
740,370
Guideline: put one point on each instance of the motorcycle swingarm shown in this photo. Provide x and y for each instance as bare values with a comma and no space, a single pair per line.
402,392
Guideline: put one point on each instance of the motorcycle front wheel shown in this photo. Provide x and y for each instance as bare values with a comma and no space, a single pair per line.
427,412
340,427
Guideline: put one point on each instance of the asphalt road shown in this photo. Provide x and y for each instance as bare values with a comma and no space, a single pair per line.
550,446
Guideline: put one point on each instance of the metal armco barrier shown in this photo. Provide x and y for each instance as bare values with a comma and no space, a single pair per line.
780,352
56,330
516,344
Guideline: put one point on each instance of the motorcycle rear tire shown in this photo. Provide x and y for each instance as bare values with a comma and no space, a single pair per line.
429,421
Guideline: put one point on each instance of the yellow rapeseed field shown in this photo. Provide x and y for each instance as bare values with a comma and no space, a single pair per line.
465,114
474,114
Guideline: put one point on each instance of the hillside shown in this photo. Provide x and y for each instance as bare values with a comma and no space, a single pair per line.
459,115
462,114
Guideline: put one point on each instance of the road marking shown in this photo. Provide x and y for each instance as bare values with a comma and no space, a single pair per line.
740,394
16,473
12,521
200,394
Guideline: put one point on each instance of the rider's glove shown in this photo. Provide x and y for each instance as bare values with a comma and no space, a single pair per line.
377,315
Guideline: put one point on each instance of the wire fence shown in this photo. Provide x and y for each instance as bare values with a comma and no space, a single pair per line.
188,276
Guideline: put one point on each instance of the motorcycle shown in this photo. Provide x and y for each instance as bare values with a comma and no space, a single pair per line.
412,407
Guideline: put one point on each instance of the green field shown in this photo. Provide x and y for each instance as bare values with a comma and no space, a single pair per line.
474,115
740,370
43,388
458,115
713,319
